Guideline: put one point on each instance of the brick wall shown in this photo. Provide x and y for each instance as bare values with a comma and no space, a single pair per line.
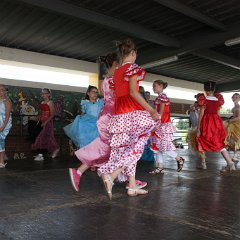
18,142
179,108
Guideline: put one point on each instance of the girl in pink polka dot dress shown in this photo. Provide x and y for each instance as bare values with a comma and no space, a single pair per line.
162,137
131,124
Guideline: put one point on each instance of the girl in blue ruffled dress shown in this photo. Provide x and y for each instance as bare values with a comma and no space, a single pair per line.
5,121
83,129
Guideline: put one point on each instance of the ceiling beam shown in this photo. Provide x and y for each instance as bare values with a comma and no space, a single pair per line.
200,40
192,13
129,28
227,87
218,57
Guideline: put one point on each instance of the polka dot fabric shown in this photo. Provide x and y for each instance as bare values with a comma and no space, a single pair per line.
130,132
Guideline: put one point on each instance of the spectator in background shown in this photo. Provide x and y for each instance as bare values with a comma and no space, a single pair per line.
193,113
5,121
149,101
41,128
142,92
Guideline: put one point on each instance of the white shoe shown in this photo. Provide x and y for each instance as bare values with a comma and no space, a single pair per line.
55,153
2,165
39,157
229,168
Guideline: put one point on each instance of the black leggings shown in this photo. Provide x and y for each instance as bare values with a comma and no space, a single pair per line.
34,128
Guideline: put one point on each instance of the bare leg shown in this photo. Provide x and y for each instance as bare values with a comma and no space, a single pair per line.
226,157
202,161
230,163
133,190
235,157
108,181
2,164
83,168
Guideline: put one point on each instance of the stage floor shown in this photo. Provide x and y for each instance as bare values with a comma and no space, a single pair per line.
38,202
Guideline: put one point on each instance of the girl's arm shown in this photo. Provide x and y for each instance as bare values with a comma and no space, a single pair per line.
162,105
202,109
237,116
8,107
136,95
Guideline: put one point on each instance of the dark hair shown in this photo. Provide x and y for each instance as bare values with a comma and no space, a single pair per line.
209,86
236,94
125,47
90,87
109,59
142,92
159,82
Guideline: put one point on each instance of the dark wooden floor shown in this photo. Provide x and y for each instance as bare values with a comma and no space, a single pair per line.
38,202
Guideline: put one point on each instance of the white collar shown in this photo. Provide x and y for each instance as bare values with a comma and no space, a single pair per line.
213,98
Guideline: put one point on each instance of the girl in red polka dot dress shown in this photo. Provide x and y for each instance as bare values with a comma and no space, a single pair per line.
131,124
162,137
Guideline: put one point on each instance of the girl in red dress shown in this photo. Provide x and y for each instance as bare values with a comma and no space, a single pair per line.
162,137
211,133
131,124
45,138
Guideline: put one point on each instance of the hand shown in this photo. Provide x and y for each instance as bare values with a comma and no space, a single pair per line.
155,115
1,129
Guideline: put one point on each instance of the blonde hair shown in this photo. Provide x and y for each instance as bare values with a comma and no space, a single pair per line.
5,87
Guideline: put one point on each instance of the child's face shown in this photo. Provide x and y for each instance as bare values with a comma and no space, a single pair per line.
45,94
157,88
235,98
93,94
147,95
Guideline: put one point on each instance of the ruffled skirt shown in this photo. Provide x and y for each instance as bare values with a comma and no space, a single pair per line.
233,135
162,138
130,132
82,130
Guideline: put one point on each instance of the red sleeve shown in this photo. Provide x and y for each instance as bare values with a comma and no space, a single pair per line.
163,98
133,70
220,98
201,99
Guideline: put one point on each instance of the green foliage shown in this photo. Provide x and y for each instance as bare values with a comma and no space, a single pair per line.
182,124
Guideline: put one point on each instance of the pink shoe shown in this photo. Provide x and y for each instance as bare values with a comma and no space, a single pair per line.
75,178
139,184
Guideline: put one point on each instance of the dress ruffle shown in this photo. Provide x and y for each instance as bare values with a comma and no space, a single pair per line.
233,135
162,98
133,70
162,138
201,99
126,128
165,128
130,132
